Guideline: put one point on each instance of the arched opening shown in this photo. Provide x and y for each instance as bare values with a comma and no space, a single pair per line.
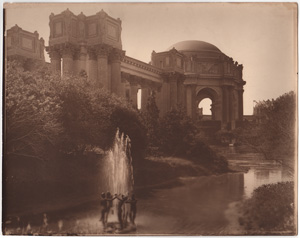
204,109
206,104
209,110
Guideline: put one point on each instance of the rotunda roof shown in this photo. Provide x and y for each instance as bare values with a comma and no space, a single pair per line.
194,45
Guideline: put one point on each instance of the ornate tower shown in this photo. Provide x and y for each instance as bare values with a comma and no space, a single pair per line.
88,43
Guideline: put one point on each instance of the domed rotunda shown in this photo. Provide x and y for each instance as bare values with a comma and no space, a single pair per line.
197,70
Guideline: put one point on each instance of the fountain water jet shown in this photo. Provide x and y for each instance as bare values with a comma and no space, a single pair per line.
117,167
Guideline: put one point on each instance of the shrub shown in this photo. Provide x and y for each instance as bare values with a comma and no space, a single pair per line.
202,154
176,133
271,208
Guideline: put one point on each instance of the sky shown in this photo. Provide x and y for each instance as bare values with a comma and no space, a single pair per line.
261,36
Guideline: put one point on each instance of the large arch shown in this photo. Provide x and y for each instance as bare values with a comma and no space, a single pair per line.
213,95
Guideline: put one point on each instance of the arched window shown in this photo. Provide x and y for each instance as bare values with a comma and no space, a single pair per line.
204,109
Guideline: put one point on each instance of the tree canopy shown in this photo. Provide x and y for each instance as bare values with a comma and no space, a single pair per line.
274,131
44,112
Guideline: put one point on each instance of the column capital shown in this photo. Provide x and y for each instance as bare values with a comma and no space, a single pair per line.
116,55
102,51
54,55
77,54
92,53
68,50
54,52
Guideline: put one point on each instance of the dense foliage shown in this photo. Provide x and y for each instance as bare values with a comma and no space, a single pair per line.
273,131
151,120
32,111
271,208
175,134
46,113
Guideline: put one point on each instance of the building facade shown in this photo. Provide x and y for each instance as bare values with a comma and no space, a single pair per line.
182,76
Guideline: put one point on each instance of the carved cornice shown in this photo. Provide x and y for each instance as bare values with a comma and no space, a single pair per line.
140,81
141,65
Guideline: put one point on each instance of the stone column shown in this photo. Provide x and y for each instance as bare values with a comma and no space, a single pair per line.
68,61
83,59
212,109
225,106
231,108
217,111
173,92
117,86
241,104
164,98
76,62
102,69
194,106
158,100
92,66
145,95
55,58
181,93
189,101
133,94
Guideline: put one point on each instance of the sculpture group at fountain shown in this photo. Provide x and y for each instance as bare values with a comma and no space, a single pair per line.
118,177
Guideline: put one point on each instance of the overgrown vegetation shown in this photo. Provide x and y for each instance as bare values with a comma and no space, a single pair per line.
271,208
273,132
46,113
176,135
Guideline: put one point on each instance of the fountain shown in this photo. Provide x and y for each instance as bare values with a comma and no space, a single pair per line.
117,169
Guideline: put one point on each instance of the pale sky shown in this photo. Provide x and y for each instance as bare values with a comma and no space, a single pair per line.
261,36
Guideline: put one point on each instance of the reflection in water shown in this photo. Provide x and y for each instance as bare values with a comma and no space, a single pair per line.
258,176
260,171
197,207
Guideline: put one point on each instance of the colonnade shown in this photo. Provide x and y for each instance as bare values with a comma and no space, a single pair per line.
102,65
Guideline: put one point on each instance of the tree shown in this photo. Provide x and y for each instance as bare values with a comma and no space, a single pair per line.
45,113
31,113
176,132
274,132
151,118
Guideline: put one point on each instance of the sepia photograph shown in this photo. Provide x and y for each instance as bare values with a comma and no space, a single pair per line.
174,119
